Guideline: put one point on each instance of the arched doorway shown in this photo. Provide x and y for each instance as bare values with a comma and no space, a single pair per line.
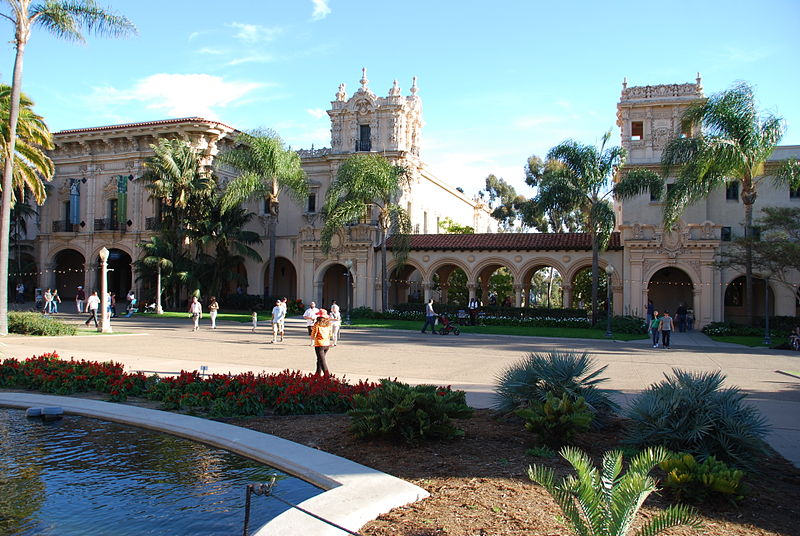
285,279
543,287
450,282
496,286
736,300
70,272
22,269
238,280
334,287
669,288
582,289
120,279
405,286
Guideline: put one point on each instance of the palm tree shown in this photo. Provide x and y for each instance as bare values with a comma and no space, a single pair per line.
733,144
266,169
20,213
167,263
63,18
578,178
32,167
365,182
601,502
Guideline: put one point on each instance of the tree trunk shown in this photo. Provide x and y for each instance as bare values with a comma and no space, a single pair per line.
748,260
273,237
384,274
8,174
595,279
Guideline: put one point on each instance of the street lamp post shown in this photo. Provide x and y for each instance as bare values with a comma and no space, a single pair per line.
159,309
105,323
609,273
347,264
767,337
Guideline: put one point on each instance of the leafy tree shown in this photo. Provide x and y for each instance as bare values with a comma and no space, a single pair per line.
509,208
451,227
366,182
578,178
266,169
62,18
20,214
167,262
32,167
600,501
733,144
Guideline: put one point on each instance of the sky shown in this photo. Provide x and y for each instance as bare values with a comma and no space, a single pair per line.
499,81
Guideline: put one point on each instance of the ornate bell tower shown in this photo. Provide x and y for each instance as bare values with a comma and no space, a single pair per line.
368,123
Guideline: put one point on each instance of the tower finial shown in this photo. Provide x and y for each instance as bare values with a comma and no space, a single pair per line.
414,86
395,91
364,80
625,83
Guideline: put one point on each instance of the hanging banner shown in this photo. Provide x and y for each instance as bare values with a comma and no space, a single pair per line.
74,201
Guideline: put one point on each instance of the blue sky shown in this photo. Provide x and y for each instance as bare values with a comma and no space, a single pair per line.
499,80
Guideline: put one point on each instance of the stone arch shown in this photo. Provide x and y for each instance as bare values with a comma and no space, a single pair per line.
22,269
69,265
285,279
555,294
481,276
444,262
120,270
669,286
332,279
450,276
405,284
735,299
577,297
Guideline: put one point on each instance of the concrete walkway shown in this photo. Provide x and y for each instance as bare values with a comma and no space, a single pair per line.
469,362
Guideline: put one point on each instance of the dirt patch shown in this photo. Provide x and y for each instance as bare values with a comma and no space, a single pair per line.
479,484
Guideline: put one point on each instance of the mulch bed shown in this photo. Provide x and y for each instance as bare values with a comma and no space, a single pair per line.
479,484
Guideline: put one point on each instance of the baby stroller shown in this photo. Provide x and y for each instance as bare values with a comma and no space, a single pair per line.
448,326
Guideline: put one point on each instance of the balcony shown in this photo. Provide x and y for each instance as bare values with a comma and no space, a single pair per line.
109,225
64,226
363,145
152,224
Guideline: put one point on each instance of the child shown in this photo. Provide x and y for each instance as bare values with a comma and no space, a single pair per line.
255,321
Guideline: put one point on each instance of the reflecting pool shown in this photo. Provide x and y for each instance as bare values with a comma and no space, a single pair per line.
80,476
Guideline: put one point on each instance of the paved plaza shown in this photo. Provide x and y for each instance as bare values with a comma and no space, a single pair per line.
469,362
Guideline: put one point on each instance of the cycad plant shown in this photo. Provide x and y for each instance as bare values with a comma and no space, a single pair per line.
557,373
691,412
601,501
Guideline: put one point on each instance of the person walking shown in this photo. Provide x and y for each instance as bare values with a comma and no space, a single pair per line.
336,322
430,317
254,320
650,310
92,304
48,301
213,309
278,317
20,292
473,311
112,305
80,298
131,299
680,317
55,300
666,326
655,324
196,310
321,340
310,315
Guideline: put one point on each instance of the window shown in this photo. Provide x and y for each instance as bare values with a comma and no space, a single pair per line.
794,193
637,130
654,197
312,203
267,205
67,210
112,210
670,187
732,191
725,234
363,143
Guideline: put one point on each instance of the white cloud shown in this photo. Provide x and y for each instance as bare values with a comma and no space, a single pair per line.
253,33
317,113
321,9
176,95
255,58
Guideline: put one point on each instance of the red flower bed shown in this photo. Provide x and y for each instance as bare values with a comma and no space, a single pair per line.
285,393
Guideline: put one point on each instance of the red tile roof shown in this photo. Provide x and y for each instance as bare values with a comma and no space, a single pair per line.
143,124
507,242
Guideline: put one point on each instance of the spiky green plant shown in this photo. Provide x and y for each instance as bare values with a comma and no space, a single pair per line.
557,373
558,420
691,412
600,501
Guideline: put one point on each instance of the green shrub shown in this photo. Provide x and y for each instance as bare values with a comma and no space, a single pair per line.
600,501
626,324
556,373
558,420
727,329
541,452
692,481
397,410
691,412
362,312
246,302
37,324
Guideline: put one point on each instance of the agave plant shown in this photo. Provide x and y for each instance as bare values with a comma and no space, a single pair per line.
601,502
557,373
691,412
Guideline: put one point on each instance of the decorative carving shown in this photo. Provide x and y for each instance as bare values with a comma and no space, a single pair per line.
662,91
661,136
341,95
395,90
364,81
637,231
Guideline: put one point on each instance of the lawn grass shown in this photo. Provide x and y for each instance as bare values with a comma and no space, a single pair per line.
565,333
744,340
233,317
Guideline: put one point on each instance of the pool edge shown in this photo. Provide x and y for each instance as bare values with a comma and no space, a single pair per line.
354,494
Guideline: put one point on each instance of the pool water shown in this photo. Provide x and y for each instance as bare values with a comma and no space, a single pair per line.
81,476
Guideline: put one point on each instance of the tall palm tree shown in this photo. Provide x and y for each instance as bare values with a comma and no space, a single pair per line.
363,183
733,143
170,265
62,18
32,167
20,213
267,168
585,178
